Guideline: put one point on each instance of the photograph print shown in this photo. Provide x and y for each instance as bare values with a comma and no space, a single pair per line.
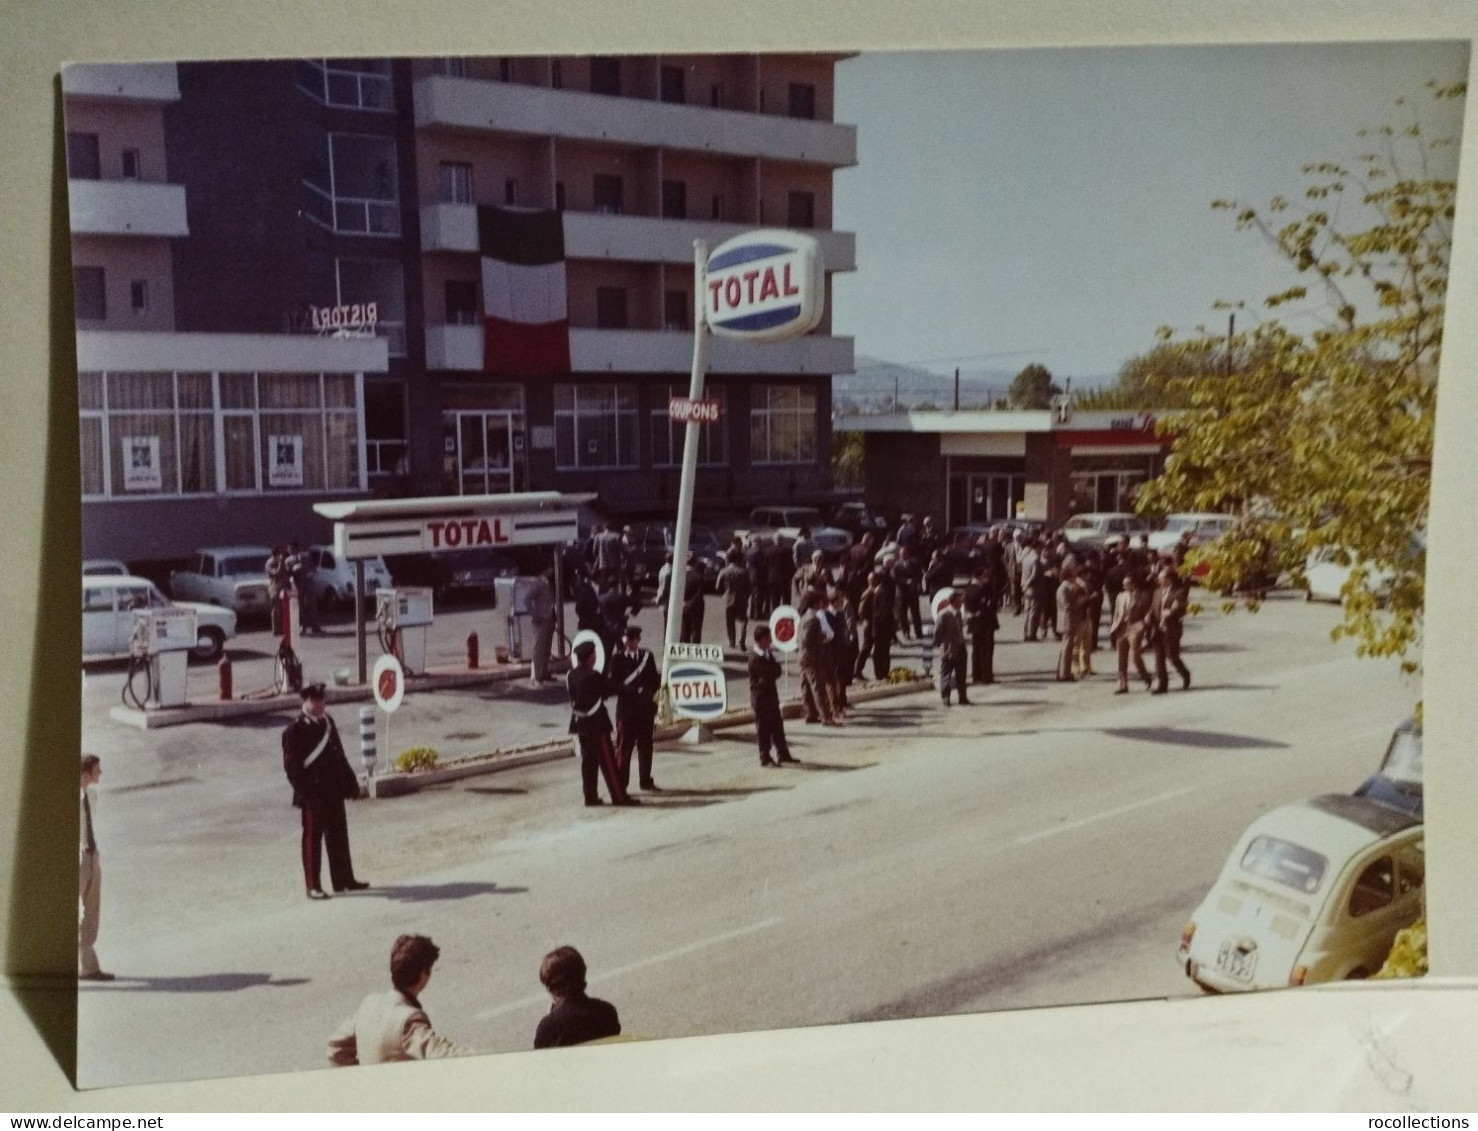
613,548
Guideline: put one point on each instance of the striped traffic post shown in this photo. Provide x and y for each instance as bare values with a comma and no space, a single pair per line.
367,739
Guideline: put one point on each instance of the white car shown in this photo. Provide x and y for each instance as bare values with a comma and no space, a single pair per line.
1325,578
1093,531
1313,892
333,576
104,567
1203,528
234,577
108,605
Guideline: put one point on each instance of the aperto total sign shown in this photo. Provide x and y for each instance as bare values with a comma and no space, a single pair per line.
697,690
765,286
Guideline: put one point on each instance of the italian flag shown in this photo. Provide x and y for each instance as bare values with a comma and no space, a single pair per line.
526,320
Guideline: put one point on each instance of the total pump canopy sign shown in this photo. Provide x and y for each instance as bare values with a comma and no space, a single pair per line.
765,286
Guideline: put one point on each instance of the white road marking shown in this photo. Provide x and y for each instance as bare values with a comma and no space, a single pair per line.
1120,811
642,964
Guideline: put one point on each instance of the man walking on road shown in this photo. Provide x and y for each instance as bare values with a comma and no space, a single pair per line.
815,688
541,616
322,780
89,880
949,642
393,1026
591,725
634,671
1070,601
764,697
1031,589
1167,614
733,583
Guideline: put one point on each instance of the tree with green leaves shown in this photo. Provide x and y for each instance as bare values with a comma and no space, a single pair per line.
1320,441
1033,387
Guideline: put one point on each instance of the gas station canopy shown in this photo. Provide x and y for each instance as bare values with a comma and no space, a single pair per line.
365,528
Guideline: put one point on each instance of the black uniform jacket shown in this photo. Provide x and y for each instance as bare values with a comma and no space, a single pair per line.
326,777
637,678
764,673
588,690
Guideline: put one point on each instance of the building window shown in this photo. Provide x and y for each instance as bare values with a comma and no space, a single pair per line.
83,162
452,66
800,210
559,195
718,207
352,186
557,75
384,428
90,293
461,302
367,283
674,84
782,424
605,75
138,296
510,191
610,308
675,200
157,434
454,182
668,436
802,100
361,84
675,310
609,192
505,69
594,426
716,96
131,165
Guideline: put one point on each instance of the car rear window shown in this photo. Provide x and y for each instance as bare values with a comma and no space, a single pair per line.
237,566
1291,865
1078,524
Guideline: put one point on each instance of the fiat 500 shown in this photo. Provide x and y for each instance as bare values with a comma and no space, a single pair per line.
1313,892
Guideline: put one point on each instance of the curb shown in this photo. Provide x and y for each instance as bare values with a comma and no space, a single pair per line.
214,710
399,785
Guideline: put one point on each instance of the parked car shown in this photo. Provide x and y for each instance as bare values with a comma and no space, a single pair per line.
333,577
453,573
857,519
104,567
1398,782
1202,528
233,577
1091,531
109,602
1312,892
1325,577
962,549
651,542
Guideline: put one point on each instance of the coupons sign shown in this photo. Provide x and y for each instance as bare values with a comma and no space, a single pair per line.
697,690
765,286
686,410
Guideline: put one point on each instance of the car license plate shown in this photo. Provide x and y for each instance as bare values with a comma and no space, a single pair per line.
1237,960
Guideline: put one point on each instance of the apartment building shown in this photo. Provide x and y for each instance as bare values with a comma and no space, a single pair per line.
341,215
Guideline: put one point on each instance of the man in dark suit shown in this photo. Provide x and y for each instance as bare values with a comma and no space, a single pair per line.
764,697
591,725
573,1018
1167,614
634,672
322,779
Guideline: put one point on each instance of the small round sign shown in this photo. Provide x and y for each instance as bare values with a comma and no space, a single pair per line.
941,599
784,628
387,681
600,646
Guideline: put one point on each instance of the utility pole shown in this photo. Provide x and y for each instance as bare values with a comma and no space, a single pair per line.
1231,332
896,405
957,388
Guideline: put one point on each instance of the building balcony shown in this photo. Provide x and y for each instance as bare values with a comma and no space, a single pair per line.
655,351
123,82
637,239
474,104
127,208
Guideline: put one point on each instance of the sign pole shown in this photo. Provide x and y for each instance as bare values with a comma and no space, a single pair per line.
680,535
359,619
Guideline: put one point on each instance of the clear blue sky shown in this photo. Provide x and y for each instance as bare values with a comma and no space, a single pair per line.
1054,205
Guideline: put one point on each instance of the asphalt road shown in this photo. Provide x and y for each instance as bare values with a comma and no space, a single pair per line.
1042,848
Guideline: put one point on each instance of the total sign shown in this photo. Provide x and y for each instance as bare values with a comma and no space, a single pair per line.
765,286
697,690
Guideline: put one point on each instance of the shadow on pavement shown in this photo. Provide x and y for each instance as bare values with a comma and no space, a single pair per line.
190,984
827,767
1013,702
429,893
1207,739
1234,687
494,790
1208,649
717,793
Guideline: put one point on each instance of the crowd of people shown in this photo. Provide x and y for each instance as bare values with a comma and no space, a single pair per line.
290,569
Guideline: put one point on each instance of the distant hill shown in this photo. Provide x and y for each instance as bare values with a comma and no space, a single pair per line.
877,382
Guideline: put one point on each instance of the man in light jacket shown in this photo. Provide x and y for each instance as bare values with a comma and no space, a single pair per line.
393,1026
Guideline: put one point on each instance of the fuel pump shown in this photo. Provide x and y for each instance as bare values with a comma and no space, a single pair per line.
162,638
511,594
403,616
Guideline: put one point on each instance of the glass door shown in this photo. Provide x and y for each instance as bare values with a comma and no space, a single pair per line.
993,498
479,456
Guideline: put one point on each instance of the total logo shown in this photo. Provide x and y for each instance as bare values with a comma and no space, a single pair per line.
443,535
697,690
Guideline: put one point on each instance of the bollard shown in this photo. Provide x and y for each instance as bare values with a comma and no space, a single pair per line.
472,651
367,739
223,676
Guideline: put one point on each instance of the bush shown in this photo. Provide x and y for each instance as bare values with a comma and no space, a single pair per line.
416,759
1408,957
